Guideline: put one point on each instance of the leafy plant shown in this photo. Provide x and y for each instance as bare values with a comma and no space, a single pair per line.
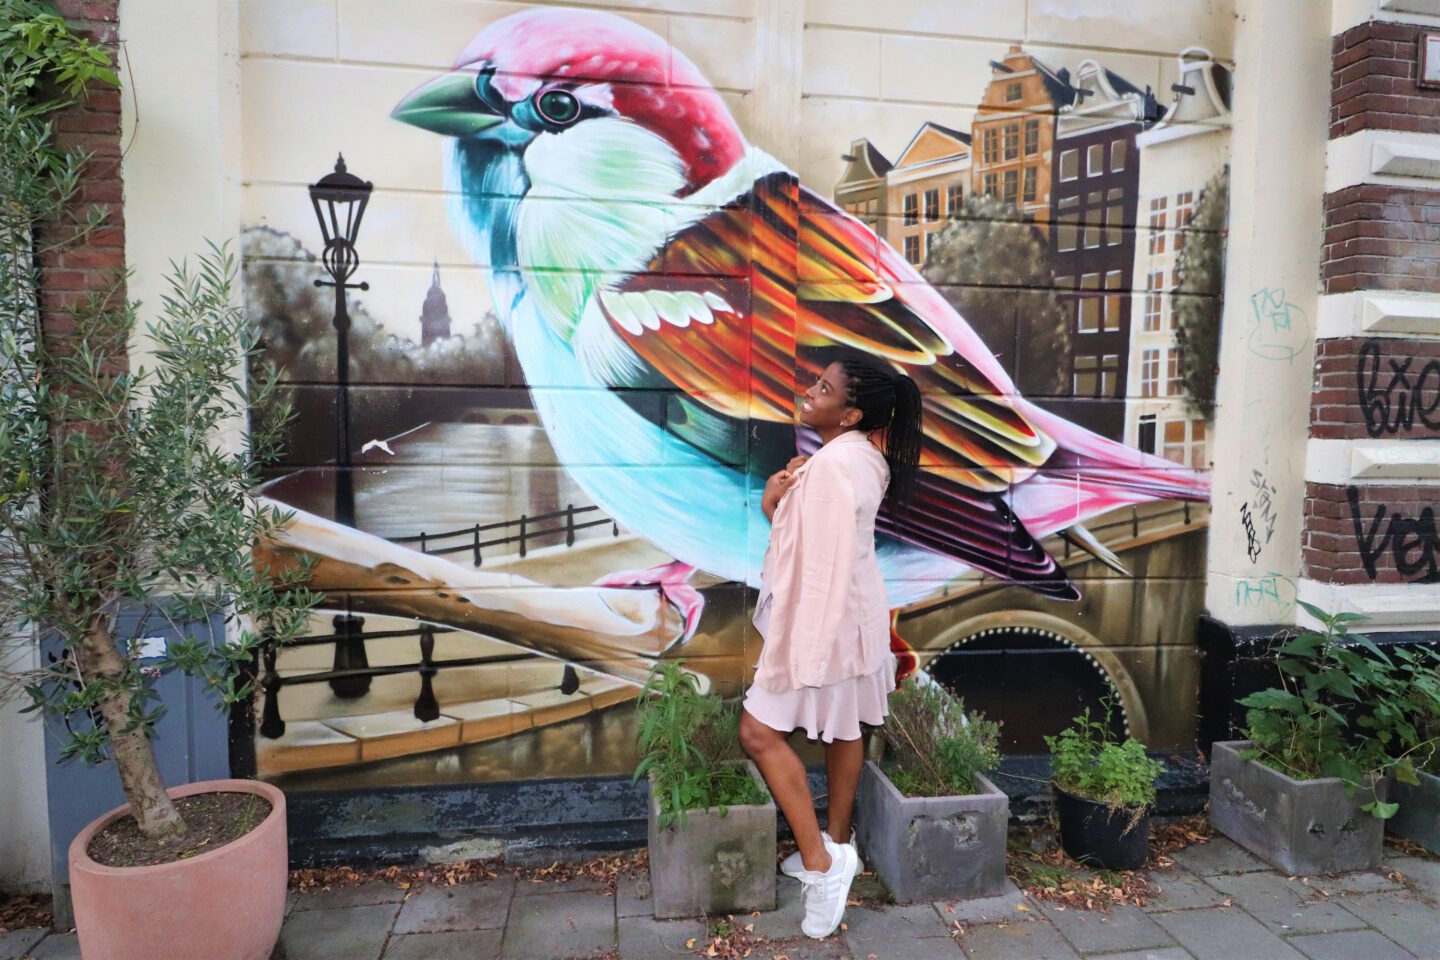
935,750
1087,760
119,490
1346,708
689,747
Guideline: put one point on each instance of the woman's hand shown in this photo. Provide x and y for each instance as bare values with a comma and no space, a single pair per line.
796,463
776,487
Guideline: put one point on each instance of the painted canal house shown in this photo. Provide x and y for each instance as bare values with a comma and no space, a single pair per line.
1095,174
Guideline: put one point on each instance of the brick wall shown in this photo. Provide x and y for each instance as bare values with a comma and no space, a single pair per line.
1373,81
94,126
1382,237
1384,534
1376,388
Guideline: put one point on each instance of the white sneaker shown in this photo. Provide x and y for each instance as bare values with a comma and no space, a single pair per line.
825,893
794,865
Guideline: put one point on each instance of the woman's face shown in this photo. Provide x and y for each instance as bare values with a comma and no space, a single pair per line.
824,406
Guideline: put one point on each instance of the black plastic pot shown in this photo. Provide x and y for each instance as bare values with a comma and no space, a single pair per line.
1116,838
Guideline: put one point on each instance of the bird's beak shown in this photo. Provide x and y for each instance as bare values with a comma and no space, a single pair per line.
447,105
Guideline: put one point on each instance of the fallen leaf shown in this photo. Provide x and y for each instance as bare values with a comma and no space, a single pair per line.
690,944
1022,908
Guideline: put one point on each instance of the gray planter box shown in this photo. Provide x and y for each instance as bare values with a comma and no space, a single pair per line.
715,864
932,848
1304,827
1418,818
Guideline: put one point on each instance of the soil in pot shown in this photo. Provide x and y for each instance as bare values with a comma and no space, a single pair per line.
214,819
1116,838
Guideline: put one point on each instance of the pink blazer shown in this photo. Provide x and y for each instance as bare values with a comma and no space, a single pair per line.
822,610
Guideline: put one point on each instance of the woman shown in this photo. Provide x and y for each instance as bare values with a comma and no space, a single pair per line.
826,663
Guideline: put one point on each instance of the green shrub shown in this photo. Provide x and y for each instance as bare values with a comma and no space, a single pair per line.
1346,708
933,749
690,747
1087,761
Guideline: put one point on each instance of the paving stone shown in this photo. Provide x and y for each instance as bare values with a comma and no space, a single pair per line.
1031,939
995,909
57,946
1269,898
347,933
560,925
336,898
1219,855
1163,953
1181,890
1093,931
1338,884
913,931
802,948
450,945
536,888
645,938
1425,874
1224,933
783,922
1409,922
1349,945
483,905
15,943
632,896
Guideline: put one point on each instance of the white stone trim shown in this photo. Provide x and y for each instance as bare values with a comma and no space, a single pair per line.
1389,606
1338,461
1378,313
1389,157
1345,14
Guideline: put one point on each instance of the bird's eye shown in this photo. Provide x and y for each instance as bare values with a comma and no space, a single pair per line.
558,106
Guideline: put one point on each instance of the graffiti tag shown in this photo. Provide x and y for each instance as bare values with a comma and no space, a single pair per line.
1413,542
1252,536
1279,328
1271,591
1262,506
1400,401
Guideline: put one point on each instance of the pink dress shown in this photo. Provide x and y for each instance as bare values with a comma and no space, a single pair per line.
826,663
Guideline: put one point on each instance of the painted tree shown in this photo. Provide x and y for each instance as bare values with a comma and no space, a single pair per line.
1195,300
993,266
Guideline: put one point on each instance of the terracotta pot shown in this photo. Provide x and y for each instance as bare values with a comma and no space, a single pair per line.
228,902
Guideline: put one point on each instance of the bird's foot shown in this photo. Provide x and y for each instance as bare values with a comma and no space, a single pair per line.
906,662
673,580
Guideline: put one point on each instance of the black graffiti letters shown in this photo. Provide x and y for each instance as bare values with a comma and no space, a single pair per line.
1252,537
1403,399
1413,542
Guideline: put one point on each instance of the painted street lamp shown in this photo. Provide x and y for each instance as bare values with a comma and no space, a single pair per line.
339,199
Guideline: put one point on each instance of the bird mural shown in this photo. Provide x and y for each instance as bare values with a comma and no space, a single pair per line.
669,288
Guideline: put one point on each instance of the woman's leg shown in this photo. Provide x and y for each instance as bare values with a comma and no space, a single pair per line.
785,775
843,760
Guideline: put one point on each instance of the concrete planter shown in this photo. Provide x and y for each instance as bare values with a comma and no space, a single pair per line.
932,848
1304,827
715,864
1418,818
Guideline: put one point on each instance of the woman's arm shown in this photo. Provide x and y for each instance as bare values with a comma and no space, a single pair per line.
780,481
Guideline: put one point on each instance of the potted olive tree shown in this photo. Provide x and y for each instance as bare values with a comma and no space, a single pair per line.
1306,790
929,821
711,820
1104,789
118,493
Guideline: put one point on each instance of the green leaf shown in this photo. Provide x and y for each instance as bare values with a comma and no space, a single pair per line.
1380,810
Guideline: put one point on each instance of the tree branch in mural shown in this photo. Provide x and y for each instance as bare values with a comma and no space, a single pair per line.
994,268
616,631
1199,283
685,285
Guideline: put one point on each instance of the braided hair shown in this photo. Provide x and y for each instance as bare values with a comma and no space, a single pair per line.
888,401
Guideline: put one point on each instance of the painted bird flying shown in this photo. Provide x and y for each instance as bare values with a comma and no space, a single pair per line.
668,287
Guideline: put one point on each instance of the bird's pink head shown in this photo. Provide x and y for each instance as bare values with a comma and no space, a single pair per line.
605,61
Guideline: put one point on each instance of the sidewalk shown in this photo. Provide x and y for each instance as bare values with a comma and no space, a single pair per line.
1215,903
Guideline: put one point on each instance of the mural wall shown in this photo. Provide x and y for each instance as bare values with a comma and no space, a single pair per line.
591,302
